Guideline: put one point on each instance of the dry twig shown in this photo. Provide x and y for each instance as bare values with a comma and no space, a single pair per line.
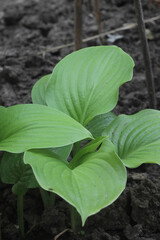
123,28
61,233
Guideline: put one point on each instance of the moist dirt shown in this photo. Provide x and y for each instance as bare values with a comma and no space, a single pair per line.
29,32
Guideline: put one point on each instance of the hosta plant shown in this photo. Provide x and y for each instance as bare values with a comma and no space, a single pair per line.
70,116
14,171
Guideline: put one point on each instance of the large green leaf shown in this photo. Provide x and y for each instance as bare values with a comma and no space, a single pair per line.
38,90
29,126
92,185
85,83
136,137
14,171
97,125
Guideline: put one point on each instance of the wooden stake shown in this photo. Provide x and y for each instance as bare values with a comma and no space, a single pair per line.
146,55
78,23
96,9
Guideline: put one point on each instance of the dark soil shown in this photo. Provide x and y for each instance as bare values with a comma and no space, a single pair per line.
29,30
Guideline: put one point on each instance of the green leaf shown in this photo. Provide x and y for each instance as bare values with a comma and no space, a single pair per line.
89,148
95,183
85,83
97,125
38,91
29,126
14,171
136,137
62,152
38,97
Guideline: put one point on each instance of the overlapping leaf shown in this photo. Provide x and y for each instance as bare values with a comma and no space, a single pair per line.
14,171
97,125
29,126
136,137
38,90
62,152
38,97
93,184
85,83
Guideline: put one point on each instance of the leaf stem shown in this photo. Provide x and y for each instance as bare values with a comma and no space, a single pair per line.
0,226
20,214
76,222
48,198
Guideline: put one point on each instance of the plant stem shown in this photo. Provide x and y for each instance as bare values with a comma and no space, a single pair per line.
20,214
78,23
0,226
48,198
146,55
76,222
